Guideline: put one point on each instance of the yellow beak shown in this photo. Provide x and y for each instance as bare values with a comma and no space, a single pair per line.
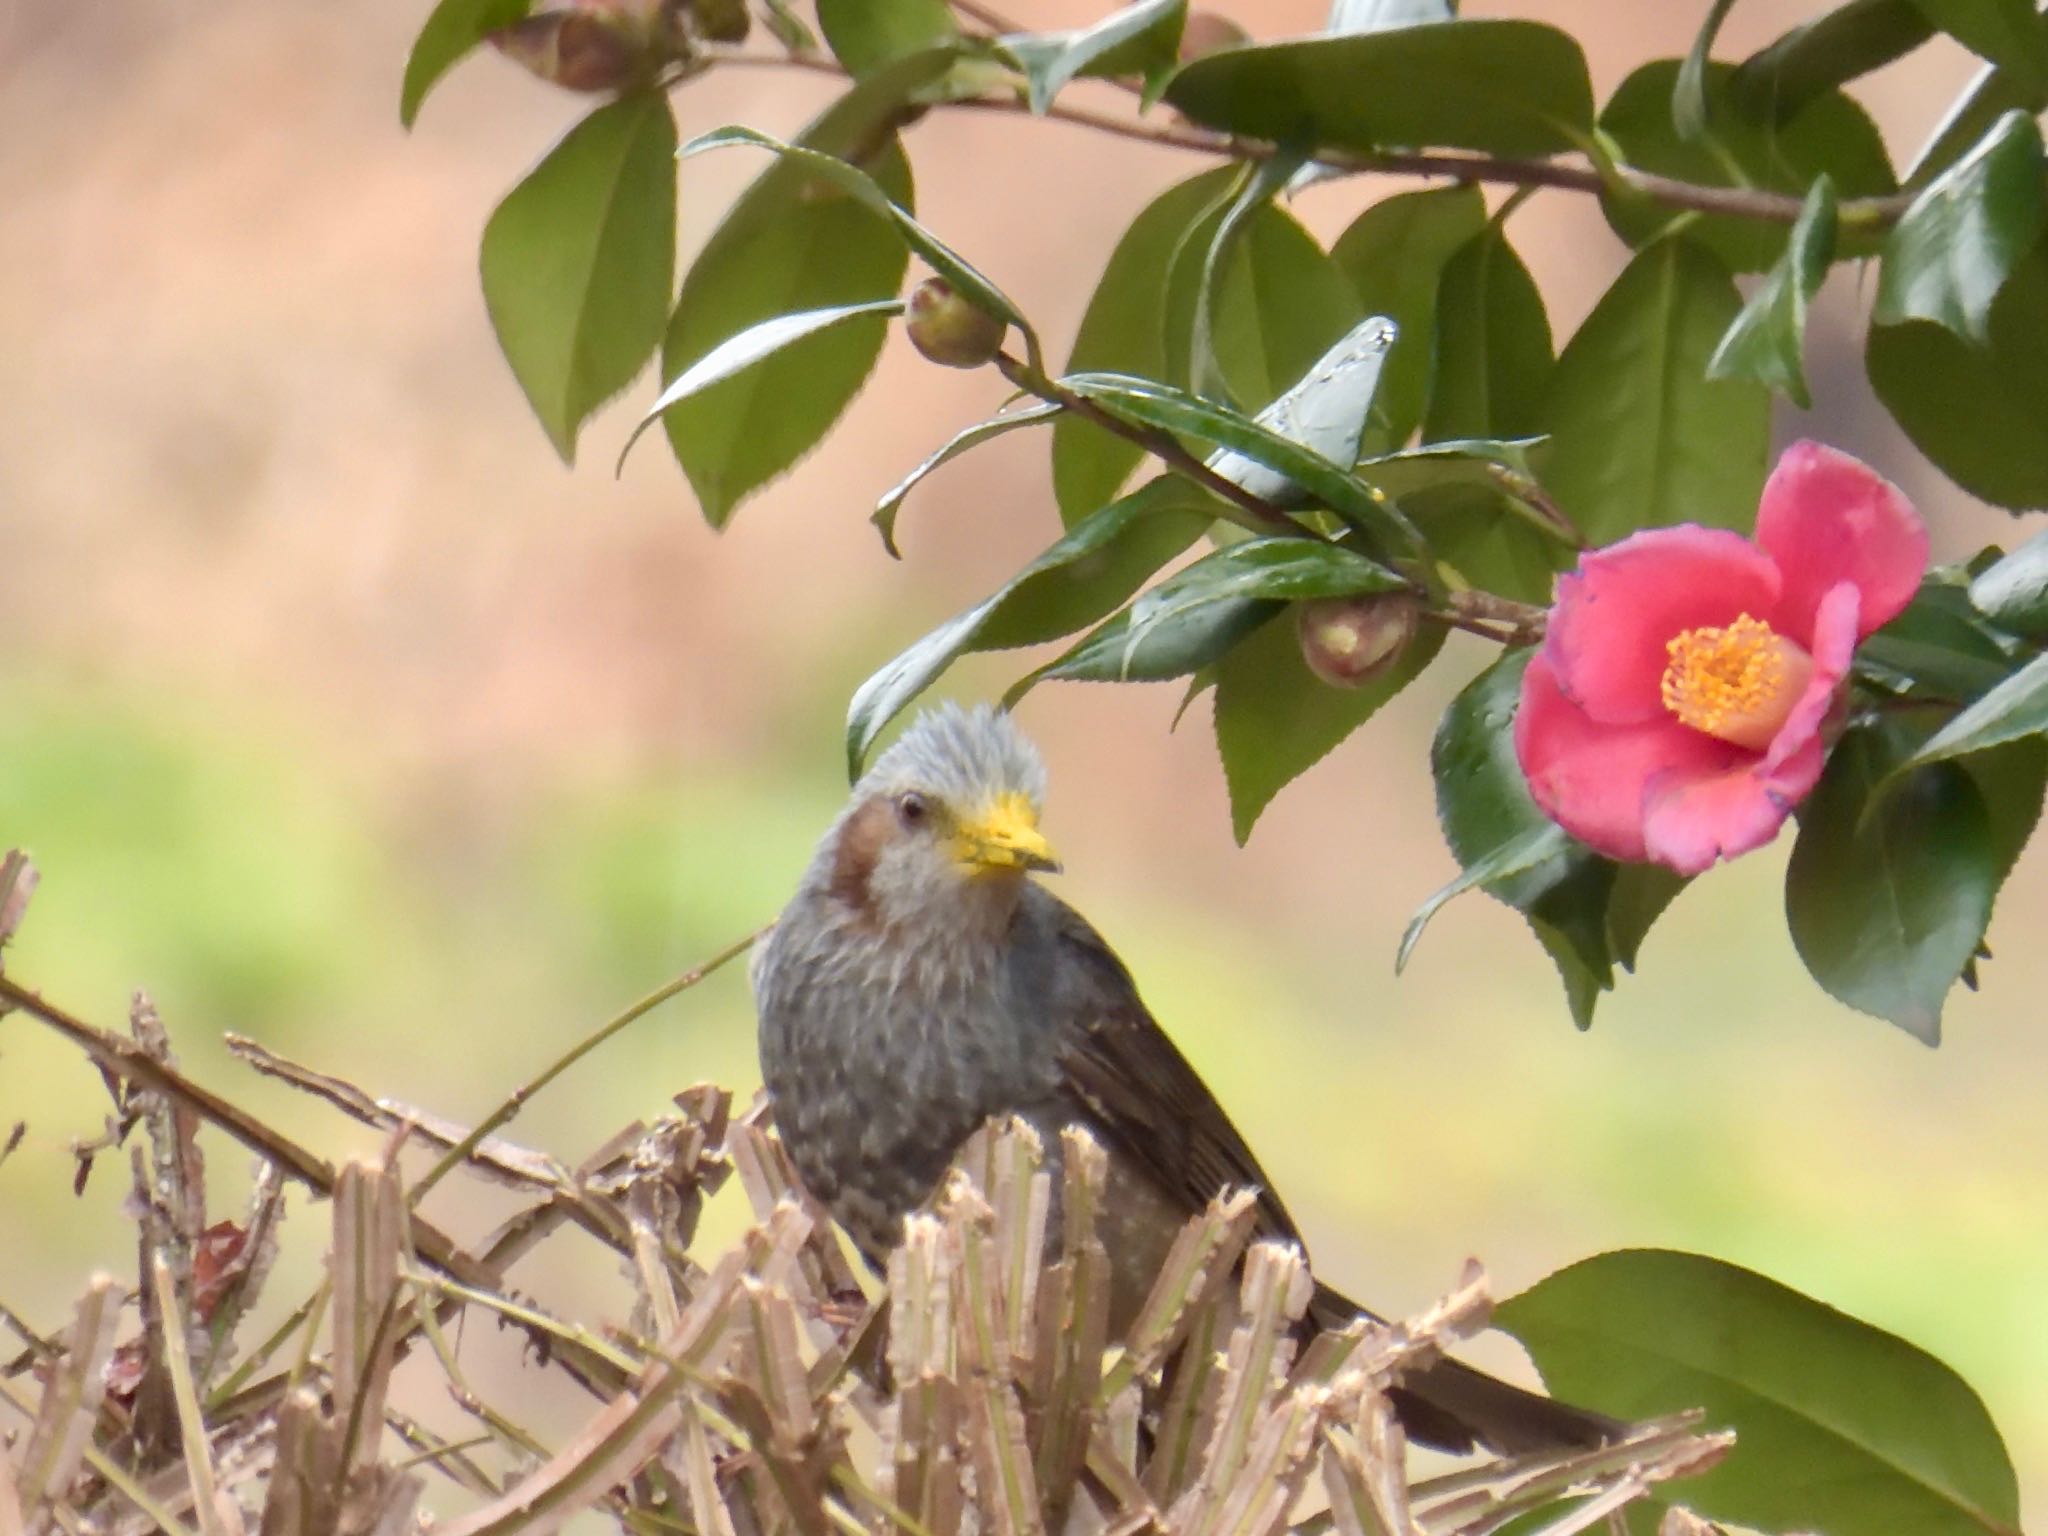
1006,837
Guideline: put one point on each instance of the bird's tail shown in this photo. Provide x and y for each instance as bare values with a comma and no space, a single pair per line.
1456,1408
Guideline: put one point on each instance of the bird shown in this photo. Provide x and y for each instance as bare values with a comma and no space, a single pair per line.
922,982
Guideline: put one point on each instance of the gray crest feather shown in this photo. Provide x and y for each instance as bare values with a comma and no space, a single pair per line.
967,757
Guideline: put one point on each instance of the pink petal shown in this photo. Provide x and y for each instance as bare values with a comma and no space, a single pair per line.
1834,646
1827,518
1693,819
1614,615
1592,779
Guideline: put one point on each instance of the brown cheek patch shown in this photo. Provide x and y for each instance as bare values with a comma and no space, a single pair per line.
861,841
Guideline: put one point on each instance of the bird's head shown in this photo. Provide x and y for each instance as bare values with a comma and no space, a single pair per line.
946,821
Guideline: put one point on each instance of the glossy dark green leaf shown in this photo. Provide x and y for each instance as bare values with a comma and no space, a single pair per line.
1829,136
2006,32
1504,87
884,515
1325,412
1532,849
1689,105
1587,912
2013,781
1098,563
2016,708
1640,436
1976,410
1275,719
866,35
1174,410
1887,908
1955,246
2014,593
1493,357
792,242
1394,254
1140,39
1195,615
1767,342
1829,51
1282,303
579,261
863,189
1483,512
1202,266
1840,1427
1940,648
452,29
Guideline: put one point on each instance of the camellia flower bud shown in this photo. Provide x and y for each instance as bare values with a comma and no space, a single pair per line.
949,329
1206,32
1349,641
591,47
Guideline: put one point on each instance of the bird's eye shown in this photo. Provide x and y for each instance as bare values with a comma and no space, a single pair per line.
912,809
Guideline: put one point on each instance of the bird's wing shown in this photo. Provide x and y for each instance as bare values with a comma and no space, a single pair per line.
1146,1102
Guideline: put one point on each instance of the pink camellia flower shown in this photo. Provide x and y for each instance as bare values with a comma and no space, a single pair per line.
1675,712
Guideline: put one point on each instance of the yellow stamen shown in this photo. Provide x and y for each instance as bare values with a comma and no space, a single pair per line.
1737,684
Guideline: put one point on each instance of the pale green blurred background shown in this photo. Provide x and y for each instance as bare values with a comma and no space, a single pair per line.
336,711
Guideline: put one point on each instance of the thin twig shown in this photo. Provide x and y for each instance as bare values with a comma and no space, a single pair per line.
516,1100
1873,213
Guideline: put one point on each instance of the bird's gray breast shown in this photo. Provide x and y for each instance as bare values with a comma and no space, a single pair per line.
884,1052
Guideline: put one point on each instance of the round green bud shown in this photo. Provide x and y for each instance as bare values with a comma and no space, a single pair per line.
1350,641
949,329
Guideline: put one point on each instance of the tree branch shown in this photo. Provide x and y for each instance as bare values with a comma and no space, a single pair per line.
1666,191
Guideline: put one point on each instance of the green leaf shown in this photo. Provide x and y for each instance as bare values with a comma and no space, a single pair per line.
868,35
1689,105
1206,263
1275,719
1955,246
1939,648
1641,437
1195,615
1281,304
452,29
749,349
579,261
1887,907
1767,342
1502,87
1493,357
1834,48
856,183
1092,568
1829,136
1976,410
1840,1427
1175,410
1140,39
1325,412
2016,708
884,515
1394,255
791,243
1530,850
1482,512
2006,32
1588,912
2013,594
